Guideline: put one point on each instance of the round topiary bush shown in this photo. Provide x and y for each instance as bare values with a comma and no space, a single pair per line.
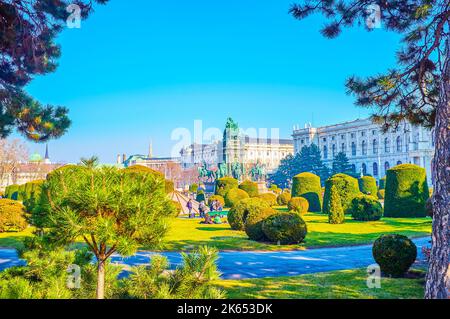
347,187
234,196
193,188
406,191
395,254
336,212
270,198
237,216
254,222
200,196
218,198
12,216
285,228
298,205
225,184
368,185
283,199
366,208
251,188
308,186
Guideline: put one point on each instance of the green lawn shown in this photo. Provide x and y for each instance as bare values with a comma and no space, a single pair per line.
186,233
348,284
14,240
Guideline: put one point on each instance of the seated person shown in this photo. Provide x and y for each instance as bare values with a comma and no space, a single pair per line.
217,220
208,219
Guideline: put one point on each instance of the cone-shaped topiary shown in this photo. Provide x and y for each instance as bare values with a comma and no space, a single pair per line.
336,212
270,198
308,186
382,183
254,222
366,208
298,205
368,185
200,196
237,215
285,228
225,184
234,196
406,191
395,254
347,187
284,198
251,188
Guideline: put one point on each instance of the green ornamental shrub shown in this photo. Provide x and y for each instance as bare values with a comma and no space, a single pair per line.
200,196
11,190
382,183
395,254
12,216
218,198
406,191
193,188
270,198
225,184
308,186
254,222
283,199
347,187
429,208
237,216
141,169
366,208
285,228
251,188
234,196
368,185
336,213
170,186
381,193
178,209
298,205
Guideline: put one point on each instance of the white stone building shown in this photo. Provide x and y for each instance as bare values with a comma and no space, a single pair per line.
369,150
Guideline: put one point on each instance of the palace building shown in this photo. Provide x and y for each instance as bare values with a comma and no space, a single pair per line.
369,150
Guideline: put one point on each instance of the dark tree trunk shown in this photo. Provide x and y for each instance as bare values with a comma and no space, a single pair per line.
101,278
438,273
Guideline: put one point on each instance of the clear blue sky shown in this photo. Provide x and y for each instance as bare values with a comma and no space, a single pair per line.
138,69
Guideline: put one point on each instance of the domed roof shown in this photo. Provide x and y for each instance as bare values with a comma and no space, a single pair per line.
36,157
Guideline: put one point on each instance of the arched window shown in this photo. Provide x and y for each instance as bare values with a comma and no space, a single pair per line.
343,148
375,169
387,145
364,169
325,152
375,146
353,149
386,166
364,147
399,163
334,150
399,144
353,168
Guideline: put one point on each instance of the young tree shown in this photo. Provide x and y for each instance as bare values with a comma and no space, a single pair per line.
91,162
111,210
417,90
12,153
341,164
310,160
29,29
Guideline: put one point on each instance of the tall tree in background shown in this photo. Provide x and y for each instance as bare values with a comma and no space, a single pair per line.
417,90
12,153
341,164
310,160
28,29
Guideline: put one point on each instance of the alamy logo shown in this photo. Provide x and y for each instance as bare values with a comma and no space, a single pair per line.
74,19
374,277
74,277
373,16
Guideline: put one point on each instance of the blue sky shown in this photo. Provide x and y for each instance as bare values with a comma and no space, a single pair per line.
137,70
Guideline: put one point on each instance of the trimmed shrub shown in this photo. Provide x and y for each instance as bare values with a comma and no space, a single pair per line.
406,191
308,186
270,198
368,185
254,222
170,186
193,188
12,216
298,205
395,254
225,184
381,194
200,196
234,196
218,198
283,199
336,212
177,208
142,169
347,187
251,188
285,228
238,215
382,183
11,190
366,208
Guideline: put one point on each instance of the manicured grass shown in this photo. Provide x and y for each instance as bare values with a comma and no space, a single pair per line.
348,284
186,233
14,240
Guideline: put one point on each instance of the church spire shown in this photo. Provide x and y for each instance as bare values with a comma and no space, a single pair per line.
46,152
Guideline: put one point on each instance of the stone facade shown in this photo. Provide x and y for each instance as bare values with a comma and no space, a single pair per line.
369,150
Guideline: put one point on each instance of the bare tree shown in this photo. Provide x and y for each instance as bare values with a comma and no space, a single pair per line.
12,153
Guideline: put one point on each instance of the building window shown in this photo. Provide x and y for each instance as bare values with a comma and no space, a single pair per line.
399,144
333,138
353,168
342,137
353,149
375,169
399,163
334,150
386,166
363,134
375,146
364,169
374,132
325,152
364,147
343,149
387,145
352,135
324,139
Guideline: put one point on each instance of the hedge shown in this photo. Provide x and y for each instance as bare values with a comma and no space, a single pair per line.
382,183
366,208
283,199
254,222
10,190
406,191
336,213
218,198
225,184
234,196
200,196
237,216
308,186
142,169
285,228
251,188
12,216
368,185
170,186
347,188
298,205
270,198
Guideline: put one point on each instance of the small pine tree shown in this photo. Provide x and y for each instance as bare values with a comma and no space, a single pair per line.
336,212
341,164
